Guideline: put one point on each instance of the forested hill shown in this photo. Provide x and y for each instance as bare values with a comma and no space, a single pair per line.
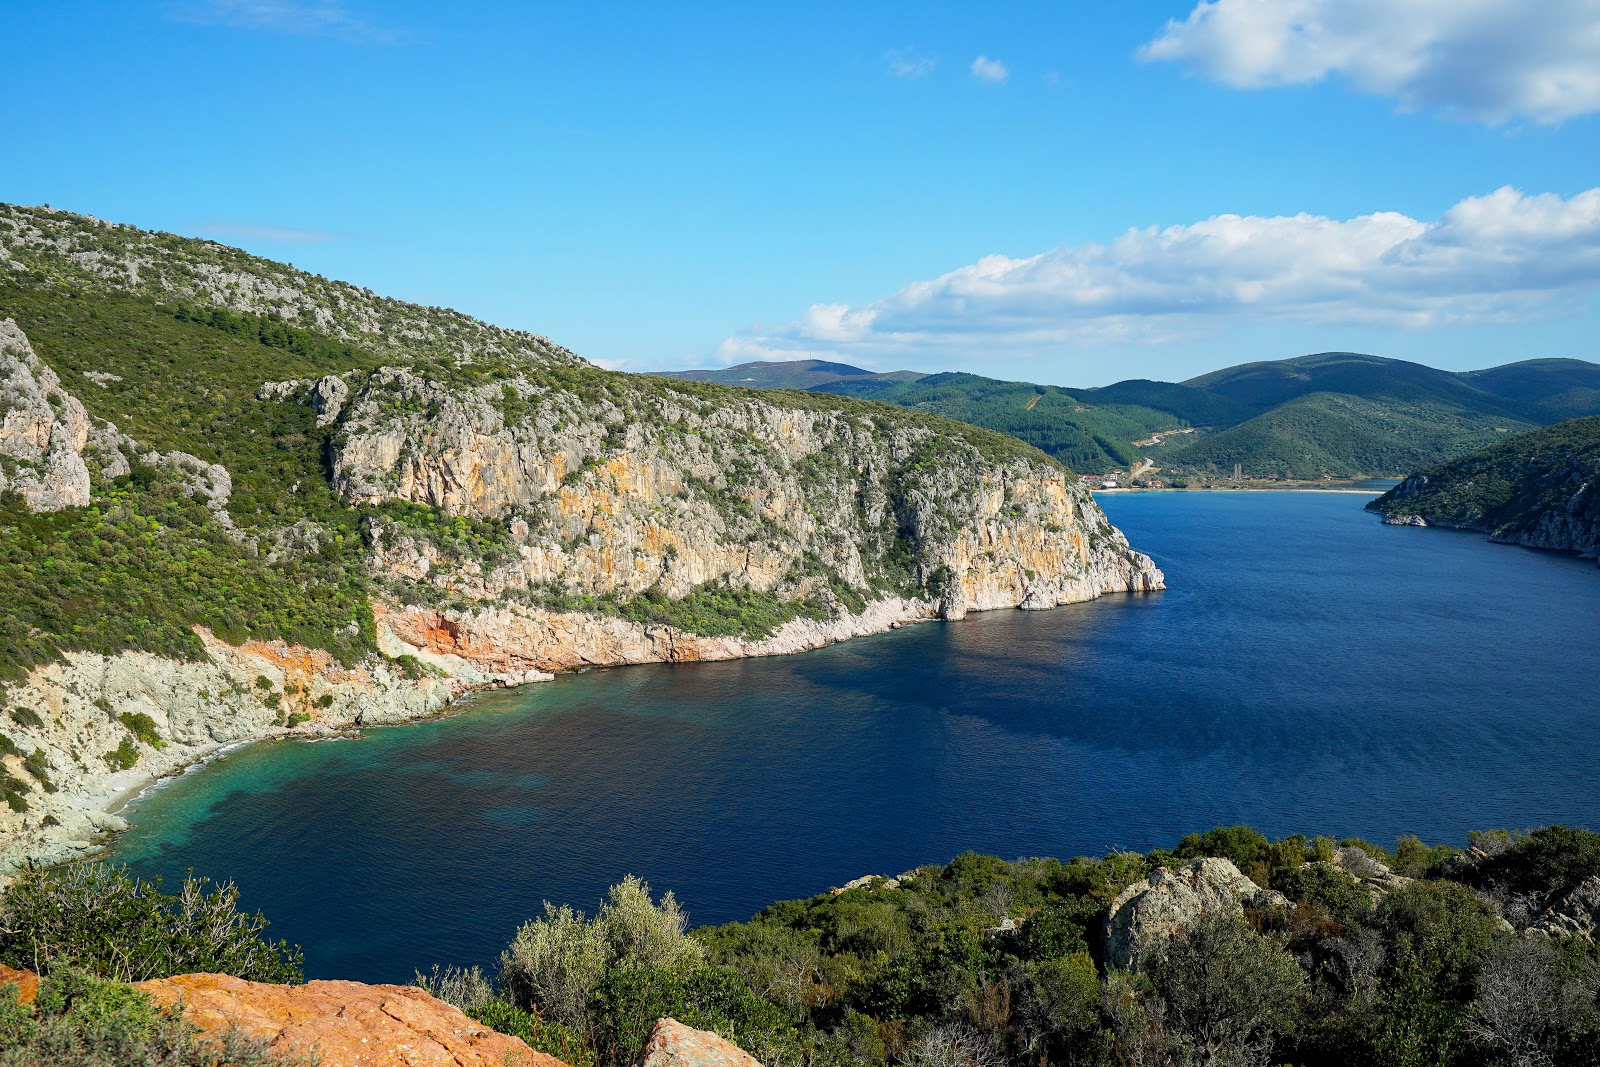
1540,489
1342,414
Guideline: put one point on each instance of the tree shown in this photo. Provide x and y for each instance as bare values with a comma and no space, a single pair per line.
1228,991
1531,1001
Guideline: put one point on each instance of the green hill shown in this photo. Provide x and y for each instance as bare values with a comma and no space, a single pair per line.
1340,414
1342,436
1559,388
1086,437
792,374
1540,489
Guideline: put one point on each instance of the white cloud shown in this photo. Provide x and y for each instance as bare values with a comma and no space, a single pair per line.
305,18
990,70
260,231
1504,257
908,63
1488,60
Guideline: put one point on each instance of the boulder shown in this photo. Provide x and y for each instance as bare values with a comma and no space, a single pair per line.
27,983
347,1024
1576,914
1155,909
672,1044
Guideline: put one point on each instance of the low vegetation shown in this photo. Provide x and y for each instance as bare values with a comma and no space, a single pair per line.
977,963
90,930
985,963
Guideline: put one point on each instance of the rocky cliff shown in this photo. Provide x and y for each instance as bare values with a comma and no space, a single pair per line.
241,500
1541,490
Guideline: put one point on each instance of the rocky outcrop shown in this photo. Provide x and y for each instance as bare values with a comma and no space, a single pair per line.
1576,914
672,1044
44,430
344,1024
641,488
1152,911
1374,875
71,719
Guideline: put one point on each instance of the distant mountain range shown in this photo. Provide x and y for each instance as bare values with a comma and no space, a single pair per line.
1342,414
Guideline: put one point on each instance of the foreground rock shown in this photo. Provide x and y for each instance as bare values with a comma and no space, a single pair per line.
27,983
1154,910
346,1024
672,1044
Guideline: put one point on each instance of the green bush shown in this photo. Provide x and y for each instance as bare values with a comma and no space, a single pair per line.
79,1020
123,756
99,918
143,727
26,717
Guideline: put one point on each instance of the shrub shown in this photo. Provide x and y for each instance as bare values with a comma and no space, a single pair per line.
555,963
26,717
628,1002
123,756
1227,992
100,918
1550,861
79,1020
550,1038
143,727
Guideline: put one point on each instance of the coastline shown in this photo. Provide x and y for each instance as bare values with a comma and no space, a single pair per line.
389,701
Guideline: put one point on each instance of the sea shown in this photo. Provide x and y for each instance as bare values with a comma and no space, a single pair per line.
1308,670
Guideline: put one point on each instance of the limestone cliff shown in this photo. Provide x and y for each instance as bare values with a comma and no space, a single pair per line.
278,503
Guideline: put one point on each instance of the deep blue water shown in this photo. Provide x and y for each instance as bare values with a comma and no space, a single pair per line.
1310,670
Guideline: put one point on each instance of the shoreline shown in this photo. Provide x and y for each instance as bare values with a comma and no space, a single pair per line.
124,798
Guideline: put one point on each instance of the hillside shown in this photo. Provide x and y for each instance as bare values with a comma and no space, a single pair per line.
1053,420
1339,414
1556,388
238,499
1541,489
1340,435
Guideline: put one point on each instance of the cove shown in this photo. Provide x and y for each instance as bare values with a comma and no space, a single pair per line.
1308,670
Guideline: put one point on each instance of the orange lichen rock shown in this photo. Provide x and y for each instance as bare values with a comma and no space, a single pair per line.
27,983
347,1024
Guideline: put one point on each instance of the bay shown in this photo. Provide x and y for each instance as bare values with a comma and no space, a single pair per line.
1309,670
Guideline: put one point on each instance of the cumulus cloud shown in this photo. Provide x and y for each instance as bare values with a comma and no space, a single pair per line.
1504,257
907,63
1487,60
305,18
989,70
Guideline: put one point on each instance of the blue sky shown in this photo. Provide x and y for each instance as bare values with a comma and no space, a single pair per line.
664,189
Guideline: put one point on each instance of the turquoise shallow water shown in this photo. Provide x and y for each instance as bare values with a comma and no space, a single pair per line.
1309,670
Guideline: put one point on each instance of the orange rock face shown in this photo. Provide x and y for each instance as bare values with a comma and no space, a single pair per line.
27,983
672,1044
348,1024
